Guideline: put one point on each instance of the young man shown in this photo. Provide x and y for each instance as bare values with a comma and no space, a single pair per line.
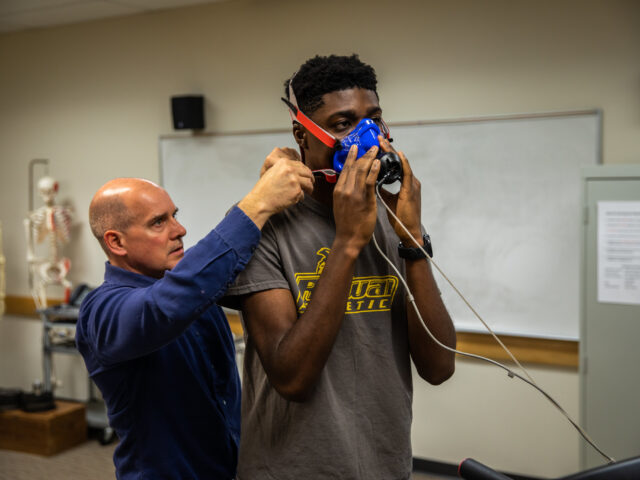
327,383
154,341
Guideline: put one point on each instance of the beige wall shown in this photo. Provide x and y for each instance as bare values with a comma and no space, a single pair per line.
94,98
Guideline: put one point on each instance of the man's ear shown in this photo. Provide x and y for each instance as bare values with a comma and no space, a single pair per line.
301,135
113,239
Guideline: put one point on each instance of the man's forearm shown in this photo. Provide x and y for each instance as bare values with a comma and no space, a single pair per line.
304,350
434,363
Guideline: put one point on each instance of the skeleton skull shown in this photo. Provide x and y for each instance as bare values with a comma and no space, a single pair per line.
48,188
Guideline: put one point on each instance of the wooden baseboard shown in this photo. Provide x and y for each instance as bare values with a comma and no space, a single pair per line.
235,323
540,351
16,305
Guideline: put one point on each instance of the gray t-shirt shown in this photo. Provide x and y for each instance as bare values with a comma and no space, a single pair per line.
356,425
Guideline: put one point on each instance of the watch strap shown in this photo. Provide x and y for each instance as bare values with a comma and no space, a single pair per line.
409,253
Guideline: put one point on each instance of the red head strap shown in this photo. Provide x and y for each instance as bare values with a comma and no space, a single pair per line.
297,115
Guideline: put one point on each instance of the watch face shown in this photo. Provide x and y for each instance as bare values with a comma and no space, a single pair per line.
427,245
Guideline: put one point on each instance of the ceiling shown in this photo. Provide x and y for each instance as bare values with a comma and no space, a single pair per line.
26,14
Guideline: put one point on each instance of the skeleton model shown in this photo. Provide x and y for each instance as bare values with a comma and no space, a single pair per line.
50,223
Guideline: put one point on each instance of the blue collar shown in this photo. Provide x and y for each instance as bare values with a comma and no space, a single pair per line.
120,276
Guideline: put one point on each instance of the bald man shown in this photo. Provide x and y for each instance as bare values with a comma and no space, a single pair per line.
153,339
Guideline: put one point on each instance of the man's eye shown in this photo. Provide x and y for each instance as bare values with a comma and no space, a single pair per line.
341,126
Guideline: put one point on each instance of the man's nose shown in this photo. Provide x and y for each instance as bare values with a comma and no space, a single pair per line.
178,229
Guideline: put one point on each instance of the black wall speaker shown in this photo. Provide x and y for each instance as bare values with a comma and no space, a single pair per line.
188,112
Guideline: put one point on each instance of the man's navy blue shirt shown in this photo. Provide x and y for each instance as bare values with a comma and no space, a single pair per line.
162,354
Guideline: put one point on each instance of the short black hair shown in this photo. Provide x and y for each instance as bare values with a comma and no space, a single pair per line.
321,75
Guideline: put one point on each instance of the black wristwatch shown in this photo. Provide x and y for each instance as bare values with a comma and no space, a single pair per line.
415,253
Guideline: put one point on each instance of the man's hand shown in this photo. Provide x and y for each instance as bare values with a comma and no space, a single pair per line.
354,201
277,154
406,203
283,181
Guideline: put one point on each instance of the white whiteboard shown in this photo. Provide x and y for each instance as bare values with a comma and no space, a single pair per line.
501,200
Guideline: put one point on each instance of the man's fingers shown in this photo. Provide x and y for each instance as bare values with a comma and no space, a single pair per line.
371,153
385,145
348,164
406,168
268,162
355,172
301,168
278,154
300,173
305,176
351,157
290,153
365,162
409,184
372,176
284,152
307,184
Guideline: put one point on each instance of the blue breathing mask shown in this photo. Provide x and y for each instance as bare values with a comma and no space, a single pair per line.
365,136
